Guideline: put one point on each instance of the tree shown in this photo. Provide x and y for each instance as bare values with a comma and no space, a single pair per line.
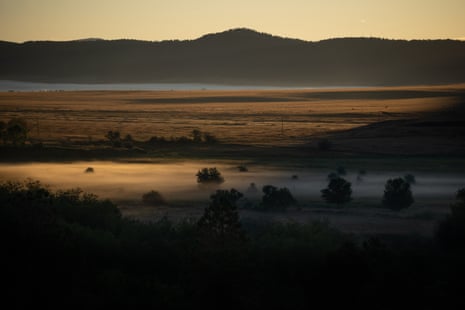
339,191
221,218
3,131
196,136
209,175
114,137
153,198
16,131
451,231
275,198
397,194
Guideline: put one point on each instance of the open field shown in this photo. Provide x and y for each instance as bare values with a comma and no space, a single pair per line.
270,118
387,131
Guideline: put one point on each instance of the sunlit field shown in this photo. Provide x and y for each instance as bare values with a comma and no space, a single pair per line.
245,117
274,132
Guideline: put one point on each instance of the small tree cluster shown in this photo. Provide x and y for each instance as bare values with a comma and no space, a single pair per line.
115,139
339,191
209,175
276,199
15,131
205,137
153,198
397,194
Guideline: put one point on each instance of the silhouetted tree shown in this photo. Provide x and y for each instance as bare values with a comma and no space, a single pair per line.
16,131
209,175
451,231
114,137
338,191
196,136
153,198
209,138
397,194
3,131
275,198
220,220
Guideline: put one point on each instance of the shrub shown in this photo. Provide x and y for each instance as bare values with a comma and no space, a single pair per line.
153,198
89,170
209,175
397,194
338,191
242,168
275,198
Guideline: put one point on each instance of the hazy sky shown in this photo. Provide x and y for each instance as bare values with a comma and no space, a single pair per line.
23,20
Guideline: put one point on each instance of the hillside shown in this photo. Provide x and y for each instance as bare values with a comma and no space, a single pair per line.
238,56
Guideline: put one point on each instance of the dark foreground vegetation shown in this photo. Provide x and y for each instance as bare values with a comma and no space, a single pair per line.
68,249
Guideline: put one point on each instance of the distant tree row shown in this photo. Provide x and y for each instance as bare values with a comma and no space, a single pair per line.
397,193
116,140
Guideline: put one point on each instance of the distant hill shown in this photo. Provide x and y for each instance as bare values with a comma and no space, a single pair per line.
238,56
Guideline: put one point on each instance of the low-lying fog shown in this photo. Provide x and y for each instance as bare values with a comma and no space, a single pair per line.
177,181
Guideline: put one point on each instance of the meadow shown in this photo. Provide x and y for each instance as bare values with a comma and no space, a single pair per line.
388,132
156,237
270,118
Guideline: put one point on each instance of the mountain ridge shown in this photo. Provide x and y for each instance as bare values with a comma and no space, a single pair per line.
235,56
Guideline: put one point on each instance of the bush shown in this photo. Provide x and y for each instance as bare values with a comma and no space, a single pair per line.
397,194
242,168
153,198
89,170
338,191
276,199
209,175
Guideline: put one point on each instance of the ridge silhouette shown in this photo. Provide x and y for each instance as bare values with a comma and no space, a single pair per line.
238,56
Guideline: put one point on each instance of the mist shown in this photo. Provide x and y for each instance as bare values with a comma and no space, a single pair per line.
177,181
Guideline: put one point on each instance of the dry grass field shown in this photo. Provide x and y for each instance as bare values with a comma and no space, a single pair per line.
278,118
399,121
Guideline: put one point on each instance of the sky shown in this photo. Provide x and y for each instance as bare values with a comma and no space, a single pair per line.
155,20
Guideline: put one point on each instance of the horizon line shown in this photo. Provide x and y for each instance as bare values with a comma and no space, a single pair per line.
97,38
